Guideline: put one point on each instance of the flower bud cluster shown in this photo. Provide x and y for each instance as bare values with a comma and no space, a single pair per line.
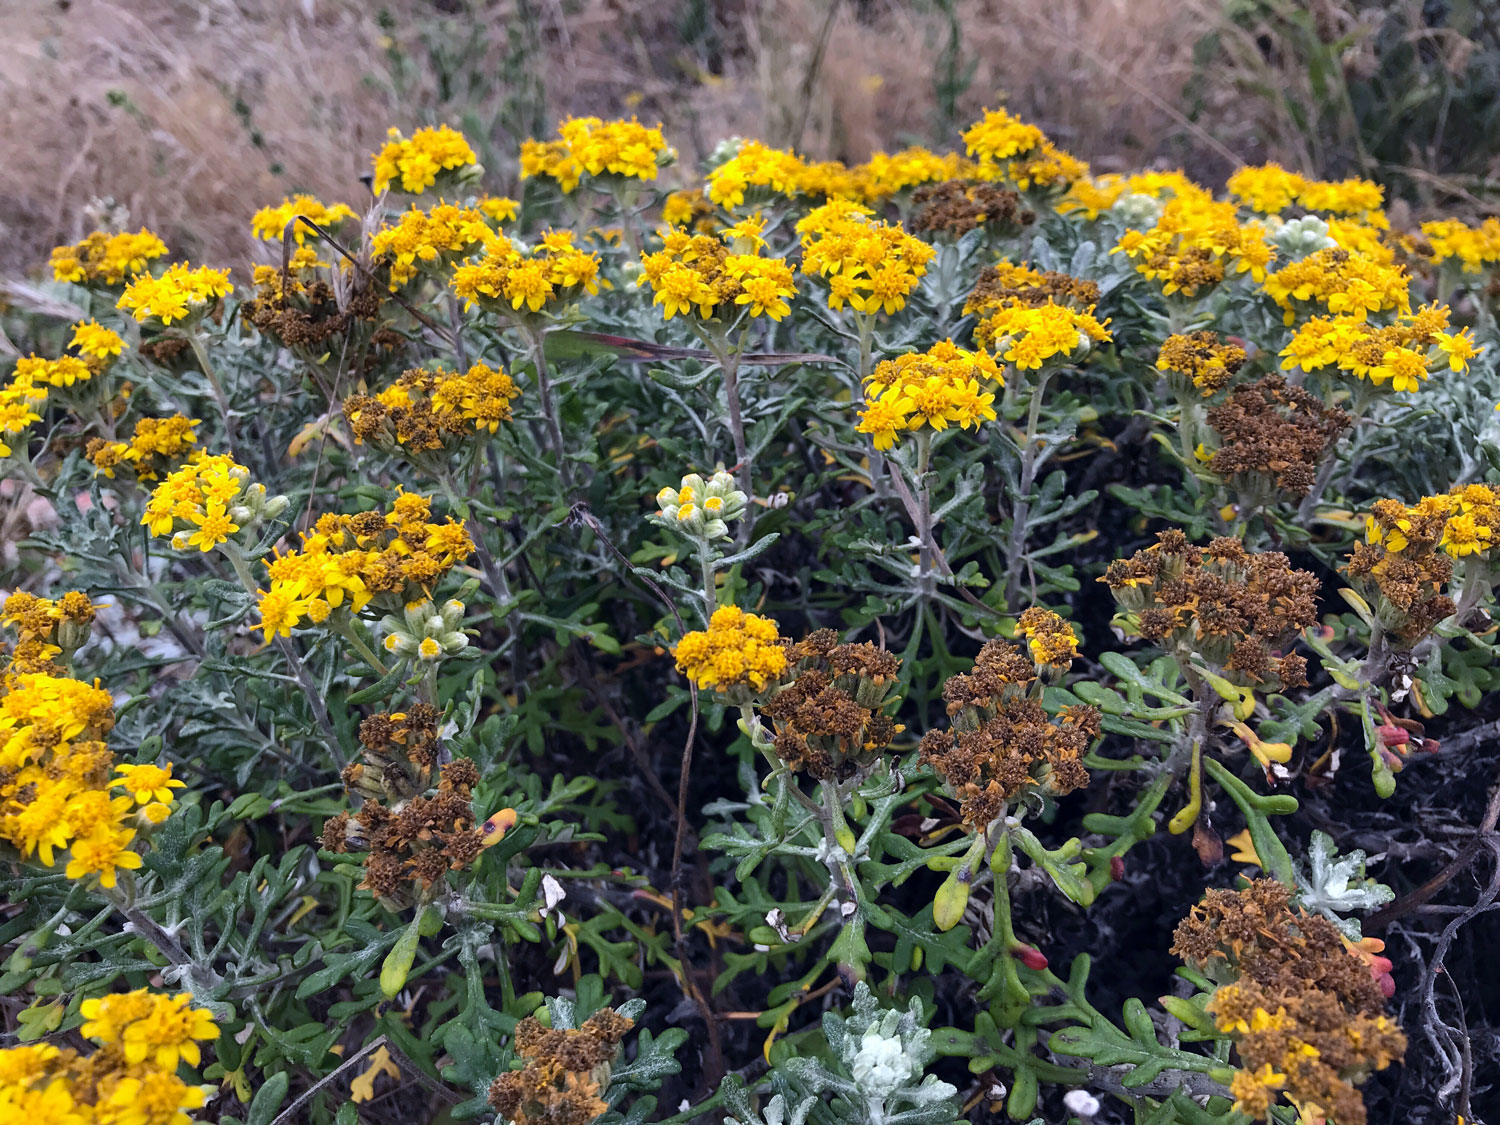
702,509
425,632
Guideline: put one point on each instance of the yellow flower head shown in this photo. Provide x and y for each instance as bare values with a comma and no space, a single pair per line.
415,163
738,649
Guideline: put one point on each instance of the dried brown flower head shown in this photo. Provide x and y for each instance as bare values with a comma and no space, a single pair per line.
566,1071
1231,607
955,207
829,717
1275,431
1307,1014
413,834
1001,742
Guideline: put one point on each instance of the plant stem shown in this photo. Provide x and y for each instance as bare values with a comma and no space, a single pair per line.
706,559
195,341
350,633
536,341
927,545
1029,461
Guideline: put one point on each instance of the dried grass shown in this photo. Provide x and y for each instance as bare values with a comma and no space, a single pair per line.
194,114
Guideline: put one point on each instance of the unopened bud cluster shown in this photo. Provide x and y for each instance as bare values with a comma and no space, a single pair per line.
425,632
702,509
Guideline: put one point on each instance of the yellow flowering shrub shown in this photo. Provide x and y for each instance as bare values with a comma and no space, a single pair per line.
609,596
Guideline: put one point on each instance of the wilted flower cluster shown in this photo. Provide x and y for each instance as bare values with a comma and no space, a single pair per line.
565,1074
702,508
1228,606
1402,353
414,164
156,446
507,278
58,803
1307,1015
710,276
302,310
929,391
206,501
870,265
829,717
1030,317
389,559
739,653
430,410
411,832
107,259
131,1077
593,147
1202,359
1001,742
1273,435
955,207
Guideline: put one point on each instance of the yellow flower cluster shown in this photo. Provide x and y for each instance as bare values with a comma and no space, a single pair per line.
1343,283
205,501
737,650
270,223
505,276
155,446
177,294
1475,248
943,385
594,147
55,784
1009,149
886,174
92,339
715,276
1469,516
35,372
130,1080
1092,197
1401,354
106,258
34,378
1270,189
424,408
1050,638
415,162
778,172
39,622
439,236
1031,336
1195,243
19,398
389,558
868,264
